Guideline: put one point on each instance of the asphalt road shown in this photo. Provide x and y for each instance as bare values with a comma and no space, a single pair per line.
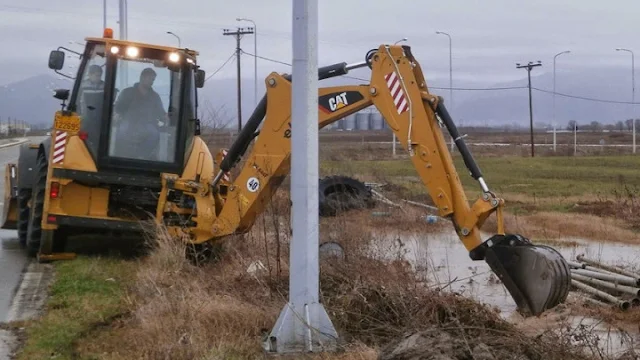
13,259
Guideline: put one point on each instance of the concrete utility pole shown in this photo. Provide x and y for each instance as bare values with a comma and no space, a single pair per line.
530,66
255,59
238,34
554,97
303,324
633,96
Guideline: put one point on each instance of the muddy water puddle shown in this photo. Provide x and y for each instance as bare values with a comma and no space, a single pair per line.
443,262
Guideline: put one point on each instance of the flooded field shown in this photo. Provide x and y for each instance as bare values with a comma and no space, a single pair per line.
443,262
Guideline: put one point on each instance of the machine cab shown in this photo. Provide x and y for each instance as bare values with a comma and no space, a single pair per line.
136,103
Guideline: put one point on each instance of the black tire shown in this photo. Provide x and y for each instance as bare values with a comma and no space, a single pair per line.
342,193
23,215
34,229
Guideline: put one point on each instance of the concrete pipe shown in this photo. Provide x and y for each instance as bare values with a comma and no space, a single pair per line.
620,279
622,304
622,288
611,268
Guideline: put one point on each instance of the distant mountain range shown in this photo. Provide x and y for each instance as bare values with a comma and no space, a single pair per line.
31,99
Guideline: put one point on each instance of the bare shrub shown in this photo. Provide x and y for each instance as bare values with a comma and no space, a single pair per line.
224,309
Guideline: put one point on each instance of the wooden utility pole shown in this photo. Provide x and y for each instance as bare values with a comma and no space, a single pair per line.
238,34
530,66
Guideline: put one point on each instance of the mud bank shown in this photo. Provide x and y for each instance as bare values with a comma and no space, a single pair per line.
443,263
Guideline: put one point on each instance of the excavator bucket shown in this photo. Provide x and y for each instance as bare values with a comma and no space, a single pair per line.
537,276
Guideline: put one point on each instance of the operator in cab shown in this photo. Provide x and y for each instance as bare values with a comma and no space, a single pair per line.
140,112
91,91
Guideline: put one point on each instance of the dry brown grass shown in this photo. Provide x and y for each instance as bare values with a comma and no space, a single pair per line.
564,228
222,311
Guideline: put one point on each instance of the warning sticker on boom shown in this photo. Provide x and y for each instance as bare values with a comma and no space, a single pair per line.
253,184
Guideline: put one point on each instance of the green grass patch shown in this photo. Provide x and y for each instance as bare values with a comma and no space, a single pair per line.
86,294
536,177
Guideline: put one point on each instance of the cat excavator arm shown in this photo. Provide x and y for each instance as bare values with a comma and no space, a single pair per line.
536,276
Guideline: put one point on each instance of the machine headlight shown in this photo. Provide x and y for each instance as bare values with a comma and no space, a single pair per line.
174,57
132,51
115,49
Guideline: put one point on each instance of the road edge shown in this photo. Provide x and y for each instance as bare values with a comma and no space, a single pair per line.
28,303
19,142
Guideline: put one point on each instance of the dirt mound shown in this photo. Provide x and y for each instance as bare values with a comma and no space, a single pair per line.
389,310
434,344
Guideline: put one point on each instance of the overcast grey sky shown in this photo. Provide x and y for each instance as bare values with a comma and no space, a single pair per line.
489,36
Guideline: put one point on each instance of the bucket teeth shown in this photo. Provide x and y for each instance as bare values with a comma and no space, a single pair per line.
537,276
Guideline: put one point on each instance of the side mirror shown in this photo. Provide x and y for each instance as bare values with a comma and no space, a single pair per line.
56,59
199,78
62,94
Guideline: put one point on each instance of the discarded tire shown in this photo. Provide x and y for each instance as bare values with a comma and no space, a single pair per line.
342,193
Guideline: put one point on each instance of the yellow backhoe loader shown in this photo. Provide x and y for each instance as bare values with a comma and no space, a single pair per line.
121,153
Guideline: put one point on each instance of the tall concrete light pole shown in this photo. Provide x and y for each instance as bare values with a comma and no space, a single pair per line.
255,59
124,35
554,97
177,37
123,20
303,324
633,96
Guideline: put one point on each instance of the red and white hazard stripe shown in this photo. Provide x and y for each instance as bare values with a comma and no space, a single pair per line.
399,98
226,175
59,147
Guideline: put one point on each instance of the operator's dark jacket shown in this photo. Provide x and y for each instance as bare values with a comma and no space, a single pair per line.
139,109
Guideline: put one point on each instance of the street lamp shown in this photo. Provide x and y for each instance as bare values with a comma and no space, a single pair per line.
450,76
401,40
255,59
450,68
554,96
170,33
633,96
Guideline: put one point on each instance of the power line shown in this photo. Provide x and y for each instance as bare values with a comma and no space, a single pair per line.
265,58
361,79
476,89
584,97
192,24
223,65
480,89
